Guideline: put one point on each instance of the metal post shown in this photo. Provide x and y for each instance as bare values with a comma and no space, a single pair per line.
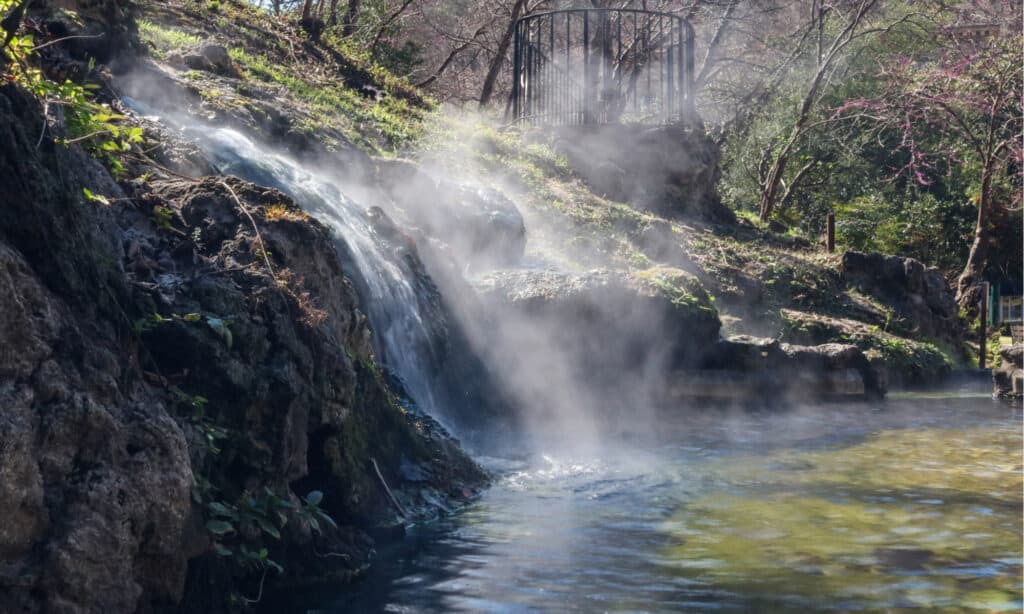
681,77
636,63
670,103
586,67
517,67
553,76
983,326
830,232
567,104
688,82
530,93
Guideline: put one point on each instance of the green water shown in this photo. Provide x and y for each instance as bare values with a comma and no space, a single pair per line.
911,505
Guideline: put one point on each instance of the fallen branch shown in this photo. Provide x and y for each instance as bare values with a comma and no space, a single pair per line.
259,237
398,505
61,40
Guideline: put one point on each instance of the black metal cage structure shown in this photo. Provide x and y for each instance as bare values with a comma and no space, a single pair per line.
602,66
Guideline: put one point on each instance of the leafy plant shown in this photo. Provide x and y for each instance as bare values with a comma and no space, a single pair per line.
87,122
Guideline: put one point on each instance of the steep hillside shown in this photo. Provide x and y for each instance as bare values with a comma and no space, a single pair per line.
193,410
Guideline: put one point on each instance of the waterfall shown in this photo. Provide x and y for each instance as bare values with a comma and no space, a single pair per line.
392,290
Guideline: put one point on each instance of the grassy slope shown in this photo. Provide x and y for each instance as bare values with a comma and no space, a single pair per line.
802,296
330,86
334,89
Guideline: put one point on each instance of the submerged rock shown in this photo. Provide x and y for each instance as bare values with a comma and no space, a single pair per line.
1008,379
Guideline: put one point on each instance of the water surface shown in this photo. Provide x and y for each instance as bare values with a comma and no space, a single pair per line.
910,505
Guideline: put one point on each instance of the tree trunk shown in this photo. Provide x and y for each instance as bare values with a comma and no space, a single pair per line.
499,56
350,17
332,15
967,285
307,10
770,189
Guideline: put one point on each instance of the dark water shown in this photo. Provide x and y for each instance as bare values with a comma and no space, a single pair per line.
912,505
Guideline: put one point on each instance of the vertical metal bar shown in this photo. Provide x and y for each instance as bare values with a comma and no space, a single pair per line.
683,93
661,66
983,327
691,95
567,107
669,88
618,52
535,79
553,78
529,69
605,51
541,71
516,69
586,66
636,62
648,27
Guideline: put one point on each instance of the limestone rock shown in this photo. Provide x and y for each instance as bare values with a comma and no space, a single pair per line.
100,438
1008,379
671,170
917,294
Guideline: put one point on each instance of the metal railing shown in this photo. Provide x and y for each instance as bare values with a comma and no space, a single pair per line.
602,66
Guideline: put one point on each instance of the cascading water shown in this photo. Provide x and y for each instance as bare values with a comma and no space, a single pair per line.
393,295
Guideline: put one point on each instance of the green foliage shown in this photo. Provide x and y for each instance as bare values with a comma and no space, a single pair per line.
95,198
87,122
919,226
220,326
240,530
852,166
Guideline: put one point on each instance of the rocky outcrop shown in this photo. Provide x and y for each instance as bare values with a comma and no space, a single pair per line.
1008,378
753,369
181,368
920,297
671,170
94,472
99,31
614,320
650,337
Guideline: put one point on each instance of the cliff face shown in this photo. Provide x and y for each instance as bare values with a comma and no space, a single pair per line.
188,390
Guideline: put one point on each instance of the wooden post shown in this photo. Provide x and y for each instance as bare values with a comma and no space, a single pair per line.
983,326
830,232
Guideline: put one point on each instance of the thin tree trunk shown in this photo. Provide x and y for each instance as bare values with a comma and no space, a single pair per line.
770,187
350,17
967,284
332,15
382,30
499,56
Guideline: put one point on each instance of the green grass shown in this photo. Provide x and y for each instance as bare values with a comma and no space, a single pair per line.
164,39
339,106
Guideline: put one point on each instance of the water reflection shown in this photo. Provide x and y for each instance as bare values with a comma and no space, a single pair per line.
838,508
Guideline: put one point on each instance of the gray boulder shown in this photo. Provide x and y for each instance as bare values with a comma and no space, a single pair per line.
1008,379
920,296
